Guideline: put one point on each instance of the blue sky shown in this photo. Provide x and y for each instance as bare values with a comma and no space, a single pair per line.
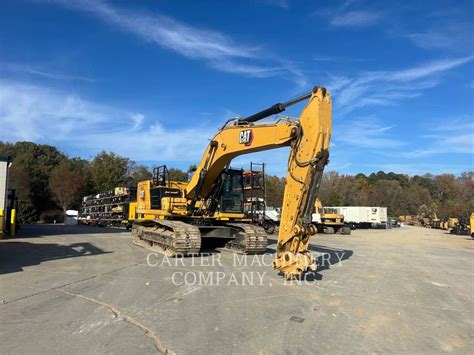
153,80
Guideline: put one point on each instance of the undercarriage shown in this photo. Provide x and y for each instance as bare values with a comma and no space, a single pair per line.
333,229
180,238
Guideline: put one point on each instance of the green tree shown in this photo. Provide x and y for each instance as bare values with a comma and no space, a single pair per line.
109,170
19,180
334,198
387,193
275,187
36,161
177,175
466,199
83,167
37,168
139,173
328,183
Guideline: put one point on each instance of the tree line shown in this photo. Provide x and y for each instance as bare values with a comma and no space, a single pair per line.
45,180
446,195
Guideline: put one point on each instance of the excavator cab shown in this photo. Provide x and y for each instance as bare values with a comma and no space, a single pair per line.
227,195
232,195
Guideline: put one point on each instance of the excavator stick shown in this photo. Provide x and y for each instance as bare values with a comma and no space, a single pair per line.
308,157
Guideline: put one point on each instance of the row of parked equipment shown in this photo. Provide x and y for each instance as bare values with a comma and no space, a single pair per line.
455,225
107,208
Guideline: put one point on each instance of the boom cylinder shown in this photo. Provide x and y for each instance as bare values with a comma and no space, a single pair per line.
276,109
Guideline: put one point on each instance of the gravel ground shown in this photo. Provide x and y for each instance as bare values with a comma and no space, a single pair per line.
80,289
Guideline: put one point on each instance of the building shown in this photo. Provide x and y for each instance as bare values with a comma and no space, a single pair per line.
5,163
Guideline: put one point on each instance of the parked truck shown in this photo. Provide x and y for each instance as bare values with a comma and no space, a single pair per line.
360,217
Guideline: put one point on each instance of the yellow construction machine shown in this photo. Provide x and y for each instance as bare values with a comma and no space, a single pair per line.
175,218
435,222
459,225
449,224
444,224
452,222
328,221
462,225
413,220
471,225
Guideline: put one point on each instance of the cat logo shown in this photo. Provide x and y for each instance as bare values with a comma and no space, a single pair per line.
246,137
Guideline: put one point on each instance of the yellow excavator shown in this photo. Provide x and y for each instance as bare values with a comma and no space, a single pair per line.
175,218
328,221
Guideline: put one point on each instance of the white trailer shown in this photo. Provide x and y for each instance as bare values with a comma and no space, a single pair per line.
363,217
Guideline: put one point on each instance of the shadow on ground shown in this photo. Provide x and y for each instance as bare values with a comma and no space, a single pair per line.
328,258
325,258
42,230
16,255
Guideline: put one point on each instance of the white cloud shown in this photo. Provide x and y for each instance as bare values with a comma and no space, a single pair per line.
249,69
447,136
153,142
34,70
356,19
322,58
349,14
452,34
137,119
215,48
428,69
41,114
189,41
74,124
276,160
366,132
380,88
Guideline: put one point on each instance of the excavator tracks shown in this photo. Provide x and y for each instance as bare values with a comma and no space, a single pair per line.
177,238
251,239
171,238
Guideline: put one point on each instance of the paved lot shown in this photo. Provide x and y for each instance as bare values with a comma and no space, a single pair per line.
89,290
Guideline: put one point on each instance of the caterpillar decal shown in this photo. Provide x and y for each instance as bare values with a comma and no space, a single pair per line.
246,137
